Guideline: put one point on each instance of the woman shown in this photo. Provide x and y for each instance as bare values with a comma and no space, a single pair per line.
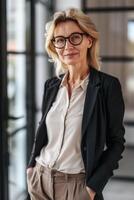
80,138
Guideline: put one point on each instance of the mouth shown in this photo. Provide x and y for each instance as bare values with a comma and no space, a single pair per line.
71,54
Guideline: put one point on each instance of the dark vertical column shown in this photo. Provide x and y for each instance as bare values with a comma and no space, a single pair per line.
83,5
3,104
30,73
52,6
51,9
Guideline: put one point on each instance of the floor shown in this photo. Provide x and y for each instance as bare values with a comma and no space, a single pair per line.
119,190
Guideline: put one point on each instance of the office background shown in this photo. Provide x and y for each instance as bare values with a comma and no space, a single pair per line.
24,67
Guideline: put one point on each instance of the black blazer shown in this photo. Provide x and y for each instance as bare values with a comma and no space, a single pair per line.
102,127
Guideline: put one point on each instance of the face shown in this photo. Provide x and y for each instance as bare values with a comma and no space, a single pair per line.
71,54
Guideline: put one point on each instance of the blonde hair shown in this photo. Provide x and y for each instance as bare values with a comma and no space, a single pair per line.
85,24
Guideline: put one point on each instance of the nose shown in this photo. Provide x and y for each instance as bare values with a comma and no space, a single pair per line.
68,45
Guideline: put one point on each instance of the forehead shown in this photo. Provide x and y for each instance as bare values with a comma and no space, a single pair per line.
66,28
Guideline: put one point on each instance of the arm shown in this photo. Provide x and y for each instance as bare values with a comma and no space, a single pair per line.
32,157
114,138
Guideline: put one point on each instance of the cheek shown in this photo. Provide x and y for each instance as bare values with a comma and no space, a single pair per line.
84,51
59,52
60,55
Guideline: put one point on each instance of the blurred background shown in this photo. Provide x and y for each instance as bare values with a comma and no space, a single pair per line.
24,67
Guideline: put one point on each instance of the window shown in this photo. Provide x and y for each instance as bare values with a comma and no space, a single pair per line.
24,70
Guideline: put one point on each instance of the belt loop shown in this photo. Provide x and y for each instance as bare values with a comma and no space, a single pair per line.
66,177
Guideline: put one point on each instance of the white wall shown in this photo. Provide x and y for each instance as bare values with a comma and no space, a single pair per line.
62,4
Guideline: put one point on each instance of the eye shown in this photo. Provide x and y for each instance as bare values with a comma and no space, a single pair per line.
59,40
75,38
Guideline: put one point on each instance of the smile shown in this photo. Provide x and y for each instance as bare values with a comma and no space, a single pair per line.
71,54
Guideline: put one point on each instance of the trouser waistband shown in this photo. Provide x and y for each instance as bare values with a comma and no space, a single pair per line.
55,173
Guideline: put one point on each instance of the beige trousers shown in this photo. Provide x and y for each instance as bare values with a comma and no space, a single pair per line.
47,184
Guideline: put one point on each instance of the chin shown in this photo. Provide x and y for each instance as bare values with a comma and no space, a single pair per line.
71,62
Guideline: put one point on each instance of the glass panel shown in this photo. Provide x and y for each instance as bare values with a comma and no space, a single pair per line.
130,36
16,25
114,31
62,5
17,128
105,3
41,18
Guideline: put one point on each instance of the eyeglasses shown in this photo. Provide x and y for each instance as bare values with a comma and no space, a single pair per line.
75,39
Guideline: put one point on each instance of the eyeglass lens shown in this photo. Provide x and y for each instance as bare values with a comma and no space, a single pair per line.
74,39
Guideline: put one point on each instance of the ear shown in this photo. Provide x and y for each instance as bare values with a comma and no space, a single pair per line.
90,42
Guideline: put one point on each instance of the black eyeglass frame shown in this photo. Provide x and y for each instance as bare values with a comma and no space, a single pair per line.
68,38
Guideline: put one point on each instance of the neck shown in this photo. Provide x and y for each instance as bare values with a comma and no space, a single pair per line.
77,73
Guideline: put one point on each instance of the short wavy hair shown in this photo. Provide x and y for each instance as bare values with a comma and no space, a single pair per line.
85,24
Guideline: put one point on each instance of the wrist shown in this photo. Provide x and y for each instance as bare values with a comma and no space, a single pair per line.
91,192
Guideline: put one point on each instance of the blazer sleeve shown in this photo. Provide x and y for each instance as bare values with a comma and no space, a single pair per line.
32,157
114,138
44,98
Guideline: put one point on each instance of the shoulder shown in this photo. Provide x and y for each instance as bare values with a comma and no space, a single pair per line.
109,84
108,80
53,80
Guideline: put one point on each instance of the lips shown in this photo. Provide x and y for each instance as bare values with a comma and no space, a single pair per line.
71,54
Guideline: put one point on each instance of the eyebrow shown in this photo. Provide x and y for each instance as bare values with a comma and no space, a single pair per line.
68,35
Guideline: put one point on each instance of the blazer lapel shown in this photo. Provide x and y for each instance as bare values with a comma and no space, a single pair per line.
51,95
91,96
